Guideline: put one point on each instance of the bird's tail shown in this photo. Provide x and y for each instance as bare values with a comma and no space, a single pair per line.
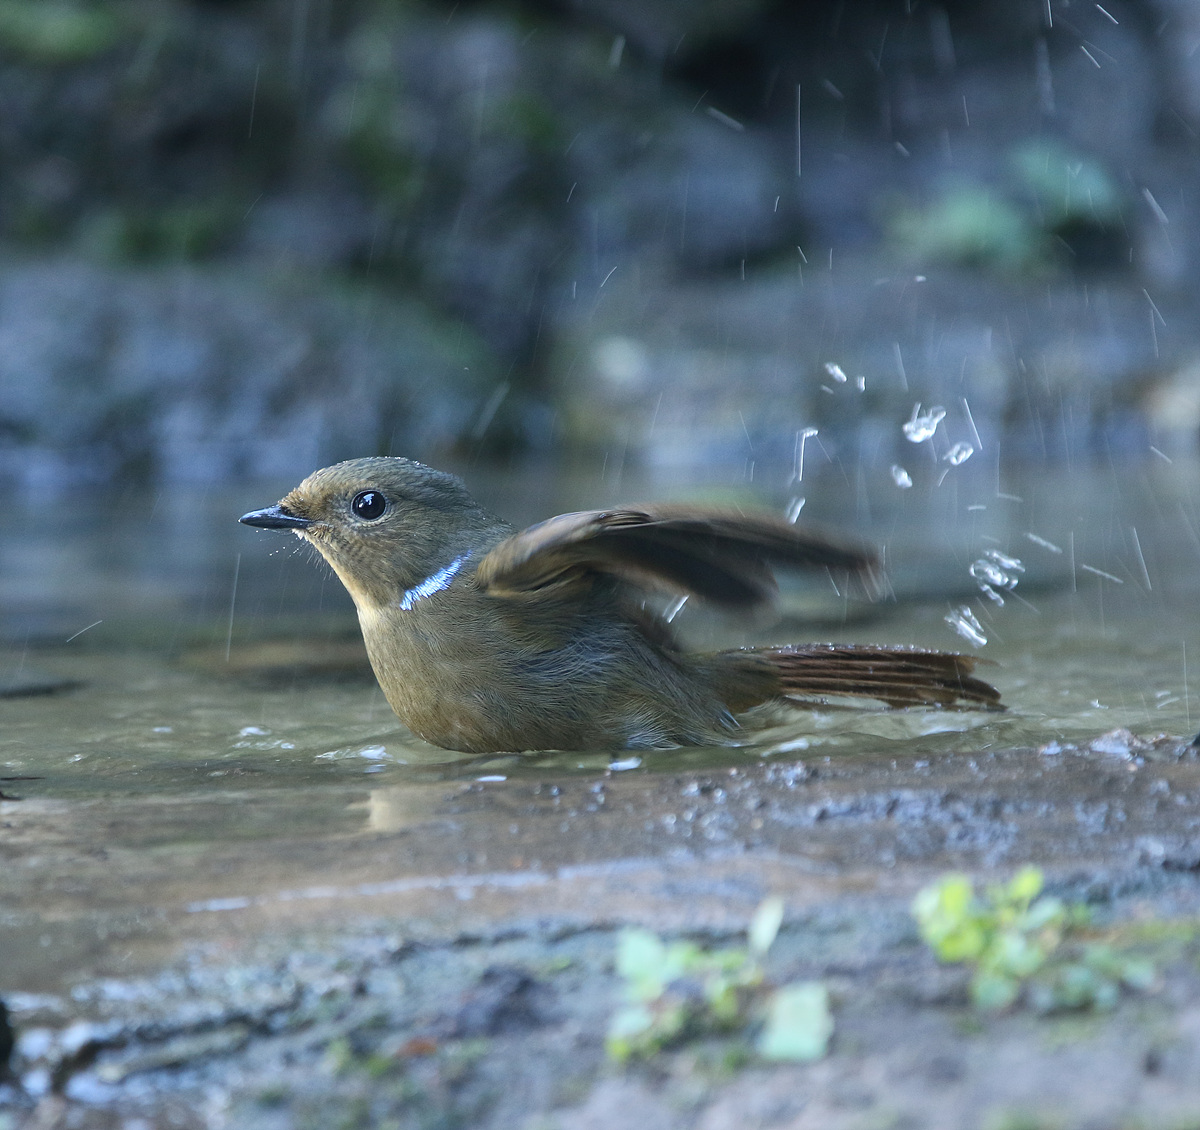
898,676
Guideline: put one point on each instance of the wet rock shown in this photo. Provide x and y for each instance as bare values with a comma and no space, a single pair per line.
515,173
506,1000
661,29
610,1105
6,1039
24,682
1137,748
183,1050
1117,743
196,375
613,201
730,370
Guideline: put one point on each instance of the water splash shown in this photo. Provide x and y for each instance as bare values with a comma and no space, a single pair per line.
674,608
1043,542
963,621
1014,564
802,437
921,427
959,454
996,570
986,572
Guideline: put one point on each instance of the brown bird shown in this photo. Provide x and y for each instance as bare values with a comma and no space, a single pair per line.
484,638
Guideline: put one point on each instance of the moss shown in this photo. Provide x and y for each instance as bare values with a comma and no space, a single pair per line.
1158,931
1055,208
49,32
1068,186
274,1095
967,224
32,222
1021,1120
390,171
528,118
174,232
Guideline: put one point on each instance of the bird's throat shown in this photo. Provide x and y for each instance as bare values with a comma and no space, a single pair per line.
435,582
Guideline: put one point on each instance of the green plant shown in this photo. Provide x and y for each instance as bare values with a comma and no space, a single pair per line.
676,990
1067,186
1020,941
53,32
1053,207
970,224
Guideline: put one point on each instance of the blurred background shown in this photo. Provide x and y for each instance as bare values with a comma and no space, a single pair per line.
244,238
907,262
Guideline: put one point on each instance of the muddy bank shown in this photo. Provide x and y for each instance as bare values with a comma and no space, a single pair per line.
442,955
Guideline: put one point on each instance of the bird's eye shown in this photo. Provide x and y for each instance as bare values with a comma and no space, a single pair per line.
368,505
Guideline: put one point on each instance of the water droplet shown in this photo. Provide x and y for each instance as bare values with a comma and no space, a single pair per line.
921,427
901,477
1005,562
986,572
963,621
674,608
836,372
998,569
1044,543
959,453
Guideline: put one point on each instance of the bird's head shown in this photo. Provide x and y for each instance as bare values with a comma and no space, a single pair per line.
384,524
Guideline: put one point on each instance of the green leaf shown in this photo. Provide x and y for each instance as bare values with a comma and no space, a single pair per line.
1045,912
1016,955
967,943
1013,937
1078,986
799,1023
765,925
642,961
627,1031
48,32
1137,973
723,1001
943,911
950,898
994,991
1026,885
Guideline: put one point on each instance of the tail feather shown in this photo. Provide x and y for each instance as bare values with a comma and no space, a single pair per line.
898,676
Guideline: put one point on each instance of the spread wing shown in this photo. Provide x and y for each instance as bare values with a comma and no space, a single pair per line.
723,557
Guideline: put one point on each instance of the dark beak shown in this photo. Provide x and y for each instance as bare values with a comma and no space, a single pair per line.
275,518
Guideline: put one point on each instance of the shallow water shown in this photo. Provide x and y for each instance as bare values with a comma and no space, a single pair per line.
179,768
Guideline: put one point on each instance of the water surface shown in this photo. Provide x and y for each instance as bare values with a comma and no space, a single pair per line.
209,737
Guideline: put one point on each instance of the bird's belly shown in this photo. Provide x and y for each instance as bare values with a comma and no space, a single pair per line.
470,692
482,692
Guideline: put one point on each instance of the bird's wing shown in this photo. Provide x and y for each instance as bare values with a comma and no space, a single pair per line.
723,557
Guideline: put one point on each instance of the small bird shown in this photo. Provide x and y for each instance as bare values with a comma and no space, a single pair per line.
486,639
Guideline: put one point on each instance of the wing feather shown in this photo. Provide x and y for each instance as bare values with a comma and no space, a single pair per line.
723,557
